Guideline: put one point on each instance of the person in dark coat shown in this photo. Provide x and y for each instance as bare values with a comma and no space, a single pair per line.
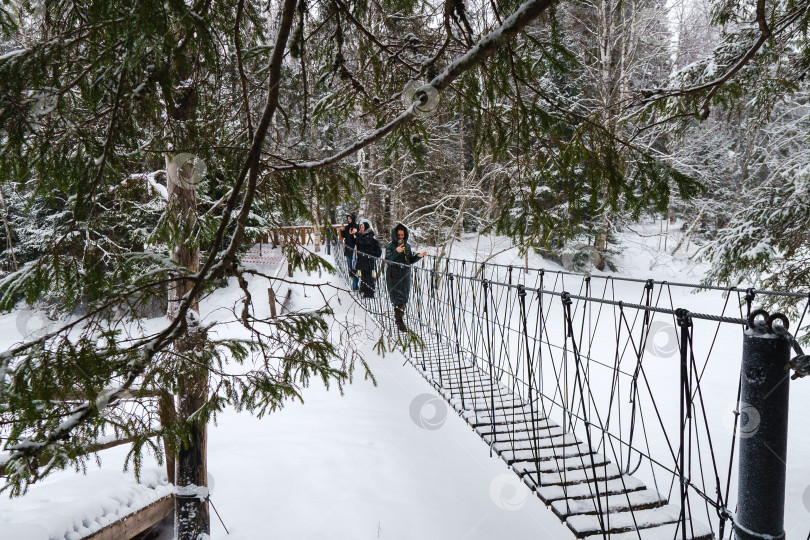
348,233
368,249
398,275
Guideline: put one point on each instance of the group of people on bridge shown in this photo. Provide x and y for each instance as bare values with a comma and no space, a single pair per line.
362,249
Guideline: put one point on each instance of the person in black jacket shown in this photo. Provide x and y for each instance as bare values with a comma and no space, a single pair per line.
368,249
398,275
348,233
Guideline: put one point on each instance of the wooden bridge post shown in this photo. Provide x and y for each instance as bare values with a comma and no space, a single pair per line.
763,417
271,298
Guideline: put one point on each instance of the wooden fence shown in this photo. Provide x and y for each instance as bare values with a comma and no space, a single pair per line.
304,235
137,522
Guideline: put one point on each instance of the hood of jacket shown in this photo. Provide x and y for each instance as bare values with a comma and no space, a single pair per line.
397,227
354,219
367,223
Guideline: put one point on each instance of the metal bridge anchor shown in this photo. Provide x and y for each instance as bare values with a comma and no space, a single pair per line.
763,411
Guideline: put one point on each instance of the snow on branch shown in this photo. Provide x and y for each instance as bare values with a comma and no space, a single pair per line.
525,14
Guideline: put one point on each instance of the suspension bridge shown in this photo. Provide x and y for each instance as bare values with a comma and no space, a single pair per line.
624,412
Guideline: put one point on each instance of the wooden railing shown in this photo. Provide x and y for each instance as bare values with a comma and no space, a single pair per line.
304,235
137,522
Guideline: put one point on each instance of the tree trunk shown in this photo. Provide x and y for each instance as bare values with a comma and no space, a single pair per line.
316,224
182,192
191,516
191,501
370,204
387,219
600,242
9,242
168,415
691,228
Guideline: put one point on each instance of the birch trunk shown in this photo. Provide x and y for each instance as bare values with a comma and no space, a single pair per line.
316,224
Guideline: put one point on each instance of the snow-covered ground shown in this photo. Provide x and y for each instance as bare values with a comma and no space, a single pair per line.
366,466
390,461
350,467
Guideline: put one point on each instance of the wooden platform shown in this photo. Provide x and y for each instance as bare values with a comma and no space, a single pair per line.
135,523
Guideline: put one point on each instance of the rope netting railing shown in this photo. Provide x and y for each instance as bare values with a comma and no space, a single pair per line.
500,272
617,400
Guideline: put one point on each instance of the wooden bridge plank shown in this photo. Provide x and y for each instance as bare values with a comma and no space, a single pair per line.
451,368
476,384
568,477
637,500
529,445
512,416
557,440
625,522
472,394
524,427
544,454
451,372
485,405
615,486
694,531
564,464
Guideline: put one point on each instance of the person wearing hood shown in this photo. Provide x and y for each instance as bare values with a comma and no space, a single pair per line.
398,272
348,233
368,249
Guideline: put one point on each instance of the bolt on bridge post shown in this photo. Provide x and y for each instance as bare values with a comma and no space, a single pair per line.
763,411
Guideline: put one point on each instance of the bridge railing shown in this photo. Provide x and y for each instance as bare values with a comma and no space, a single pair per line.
303,235
643,372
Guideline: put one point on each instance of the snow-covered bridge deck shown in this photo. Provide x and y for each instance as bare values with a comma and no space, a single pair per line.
582,486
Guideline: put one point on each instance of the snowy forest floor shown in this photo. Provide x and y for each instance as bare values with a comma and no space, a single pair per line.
360,465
